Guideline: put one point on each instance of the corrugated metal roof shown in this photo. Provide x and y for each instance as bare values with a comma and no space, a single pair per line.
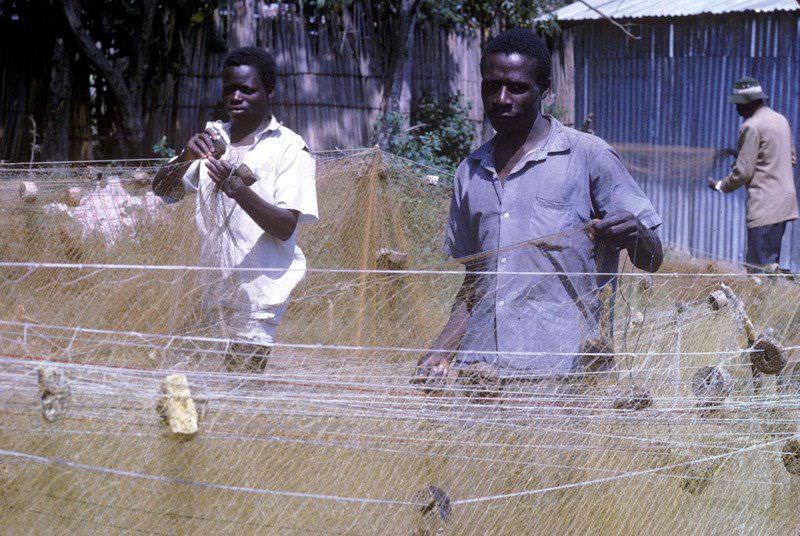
633,9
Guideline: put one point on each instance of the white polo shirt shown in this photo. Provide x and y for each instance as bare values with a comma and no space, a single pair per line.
229,238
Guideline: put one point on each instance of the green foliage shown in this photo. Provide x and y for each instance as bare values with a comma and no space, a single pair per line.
556,111
486,14
501,14
441,134
162,149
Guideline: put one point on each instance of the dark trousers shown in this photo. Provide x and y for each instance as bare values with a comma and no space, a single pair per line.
764,245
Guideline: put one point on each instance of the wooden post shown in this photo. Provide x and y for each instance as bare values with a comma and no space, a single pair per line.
241,23
566,94
369,185
562,96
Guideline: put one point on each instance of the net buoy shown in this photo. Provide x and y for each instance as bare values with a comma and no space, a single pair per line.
54,392
637,319
717,300
698,477
176,408
791,456
141,178
390,259
432,380
712,384
595,355
646,283
634,399
481,382
72,196
28,191
219,147
768,355
246,174
435,512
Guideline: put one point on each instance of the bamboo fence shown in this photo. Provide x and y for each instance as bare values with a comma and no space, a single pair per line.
330,86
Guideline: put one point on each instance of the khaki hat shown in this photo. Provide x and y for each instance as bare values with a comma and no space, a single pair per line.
747,90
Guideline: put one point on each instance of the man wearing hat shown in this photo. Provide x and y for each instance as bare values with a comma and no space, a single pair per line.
764,165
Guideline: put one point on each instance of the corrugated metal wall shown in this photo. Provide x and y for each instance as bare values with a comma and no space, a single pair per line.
670,89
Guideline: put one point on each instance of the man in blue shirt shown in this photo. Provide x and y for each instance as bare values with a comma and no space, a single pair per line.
538,216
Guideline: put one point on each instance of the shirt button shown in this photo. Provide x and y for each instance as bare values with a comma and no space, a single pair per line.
501,303
505,215
502,260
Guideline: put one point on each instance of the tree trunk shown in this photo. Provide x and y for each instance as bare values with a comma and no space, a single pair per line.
397,88
81,137
126,87
241,23
132,127
57,127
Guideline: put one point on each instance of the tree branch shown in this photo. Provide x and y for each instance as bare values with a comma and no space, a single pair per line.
611,20
95,56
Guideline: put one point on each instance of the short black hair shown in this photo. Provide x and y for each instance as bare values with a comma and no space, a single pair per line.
258,58
521,41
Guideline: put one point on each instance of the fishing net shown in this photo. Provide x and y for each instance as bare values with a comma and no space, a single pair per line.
119,412
669,163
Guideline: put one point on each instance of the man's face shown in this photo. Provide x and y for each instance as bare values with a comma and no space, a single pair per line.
245,97
748,109
741,109
511,92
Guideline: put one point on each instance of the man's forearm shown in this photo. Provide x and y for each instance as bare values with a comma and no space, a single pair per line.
170,175
453,332
745,165
278,222
732,182
647,252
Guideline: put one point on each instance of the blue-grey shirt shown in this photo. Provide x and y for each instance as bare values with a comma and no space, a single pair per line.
533,323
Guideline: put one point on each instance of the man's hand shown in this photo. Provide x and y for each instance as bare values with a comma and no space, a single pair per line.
711,183
223,175
624,230
201,145
726,151
432,370
621,229
218,170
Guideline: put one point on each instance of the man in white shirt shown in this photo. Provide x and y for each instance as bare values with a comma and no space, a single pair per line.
247,217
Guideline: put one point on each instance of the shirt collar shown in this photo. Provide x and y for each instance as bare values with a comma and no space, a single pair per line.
225,129
557,142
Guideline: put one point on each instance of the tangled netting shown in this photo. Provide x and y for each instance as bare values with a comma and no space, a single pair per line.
119,412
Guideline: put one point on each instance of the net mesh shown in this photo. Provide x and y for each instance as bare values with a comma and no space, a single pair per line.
661,162
101,299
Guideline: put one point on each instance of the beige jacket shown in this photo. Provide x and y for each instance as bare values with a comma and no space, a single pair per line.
764,166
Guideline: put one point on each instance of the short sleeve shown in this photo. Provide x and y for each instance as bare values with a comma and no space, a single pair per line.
457,242
296,183
613,189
